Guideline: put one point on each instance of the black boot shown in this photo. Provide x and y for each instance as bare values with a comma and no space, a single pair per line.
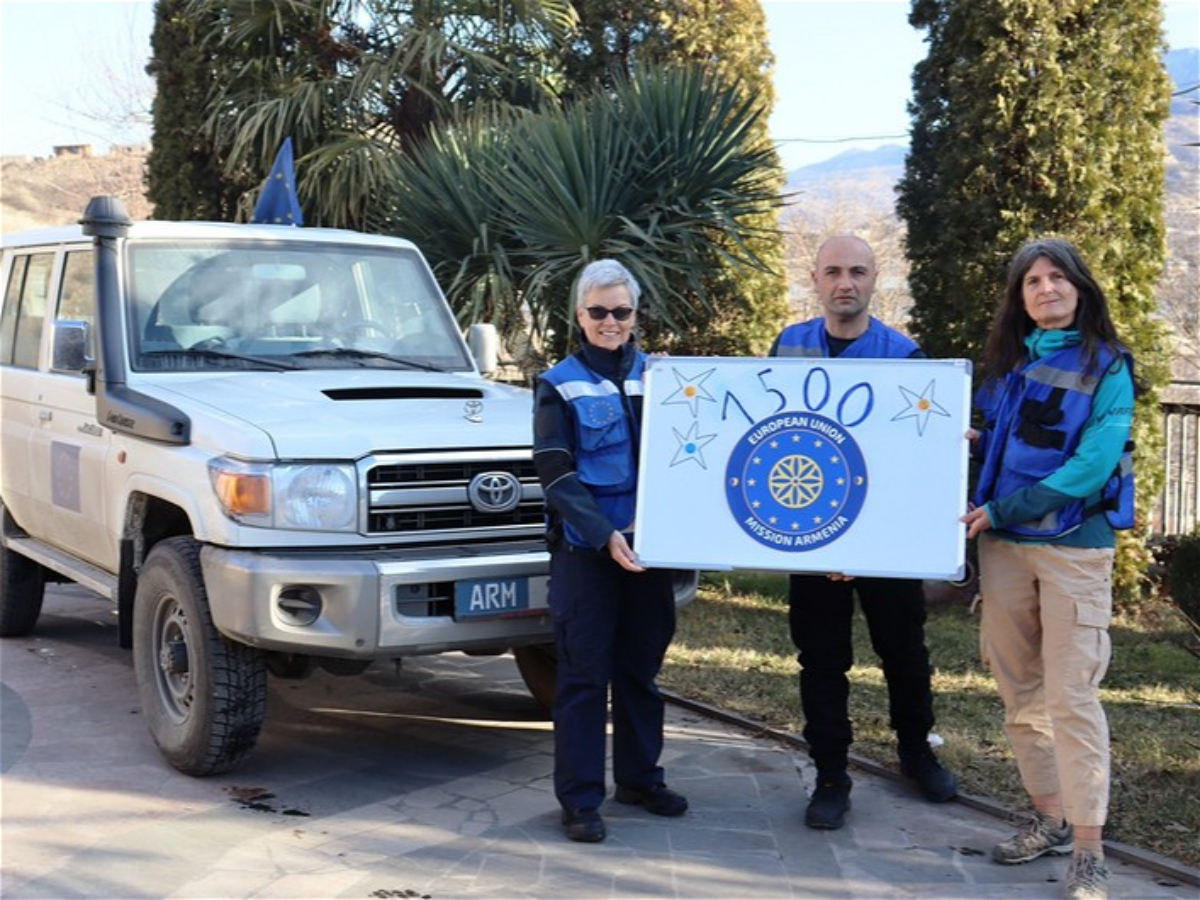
935,781
830,801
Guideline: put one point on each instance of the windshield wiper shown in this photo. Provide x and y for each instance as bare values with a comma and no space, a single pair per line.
210,353
362,355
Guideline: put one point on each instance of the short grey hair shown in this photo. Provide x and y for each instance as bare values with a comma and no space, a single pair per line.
605,273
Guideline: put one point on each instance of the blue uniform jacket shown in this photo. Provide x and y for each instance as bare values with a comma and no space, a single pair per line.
877,342
1056,449
586,432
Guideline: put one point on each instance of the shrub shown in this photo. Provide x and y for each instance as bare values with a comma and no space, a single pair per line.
1183,576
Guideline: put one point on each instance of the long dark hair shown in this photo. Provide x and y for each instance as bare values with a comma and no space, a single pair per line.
1005,349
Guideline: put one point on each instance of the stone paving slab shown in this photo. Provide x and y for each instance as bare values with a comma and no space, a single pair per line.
434,782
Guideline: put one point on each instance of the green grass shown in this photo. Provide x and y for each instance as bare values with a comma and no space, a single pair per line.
732,650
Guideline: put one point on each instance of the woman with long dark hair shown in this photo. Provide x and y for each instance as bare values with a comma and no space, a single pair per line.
1056,480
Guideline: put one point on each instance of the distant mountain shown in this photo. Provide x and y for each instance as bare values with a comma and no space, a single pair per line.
871,175
890,156
1184,68
860,180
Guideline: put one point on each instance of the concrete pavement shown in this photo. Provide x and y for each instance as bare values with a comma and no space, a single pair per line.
434,782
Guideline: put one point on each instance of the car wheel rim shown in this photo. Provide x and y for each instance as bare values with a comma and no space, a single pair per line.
173,673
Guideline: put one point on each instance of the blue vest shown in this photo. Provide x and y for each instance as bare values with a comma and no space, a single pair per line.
877,342
1037,419
605,445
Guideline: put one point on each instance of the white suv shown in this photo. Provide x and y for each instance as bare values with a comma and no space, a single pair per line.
271,447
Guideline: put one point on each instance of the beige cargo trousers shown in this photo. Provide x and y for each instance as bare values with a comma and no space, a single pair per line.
1044,635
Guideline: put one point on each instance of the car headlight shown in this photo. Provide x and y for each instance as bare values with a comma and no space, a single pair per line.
297,497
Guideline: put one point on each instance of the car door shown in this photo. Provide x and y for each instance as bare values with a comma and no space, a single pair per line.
28,275
69,447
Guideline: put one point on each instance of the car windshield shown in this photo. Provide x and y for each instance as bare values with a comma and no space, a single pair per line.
196,306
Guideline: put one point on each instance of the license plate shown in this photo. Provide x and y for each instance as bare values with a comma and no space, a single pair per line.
485,597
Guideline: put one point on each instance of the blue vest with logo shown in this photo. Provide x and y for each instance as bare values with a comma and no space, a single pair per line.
1037,418
877,342
605,444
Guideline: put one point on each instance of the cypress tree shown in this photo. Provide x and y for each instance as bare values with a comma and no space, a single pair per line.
184,171
1030,118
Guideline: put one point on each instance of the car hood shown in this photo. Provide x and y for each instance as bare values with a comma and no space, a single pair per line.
330,415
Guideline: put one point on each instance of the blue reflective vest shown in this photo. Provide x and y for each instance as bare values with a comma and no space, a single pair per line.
605,443
1037,419
877,342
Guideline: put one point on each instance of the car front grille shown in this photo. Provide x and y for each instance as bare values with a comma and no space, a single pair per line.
428,493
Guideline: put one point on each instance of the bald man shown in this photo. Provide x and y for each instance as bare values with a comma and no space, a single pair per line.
821,607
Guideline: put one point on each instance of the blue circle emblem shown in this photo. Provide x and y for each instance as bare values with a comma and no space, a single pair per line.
796,481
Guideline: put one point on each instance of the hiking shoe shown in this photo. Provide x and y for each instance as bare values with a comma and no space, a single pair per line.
830,802
659,800
1038,836
1087,878
583,825
935,781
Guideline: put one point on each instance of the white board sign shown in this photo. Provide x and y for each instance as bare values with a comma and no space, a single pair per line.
805,465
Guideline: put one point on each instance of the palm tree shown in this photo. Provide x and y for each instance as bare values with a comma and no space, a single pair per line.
663,171
354,81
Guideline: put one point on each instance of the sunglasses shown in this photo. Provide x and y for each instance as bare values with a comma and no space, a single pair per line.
600,313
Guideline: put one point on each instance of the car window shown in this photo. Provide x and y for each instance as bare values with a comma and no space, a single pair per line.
313,305
12,303
25,300
77,296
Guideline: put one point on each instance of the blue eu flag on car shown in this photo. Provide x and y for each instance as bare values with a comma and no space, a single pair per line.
278,203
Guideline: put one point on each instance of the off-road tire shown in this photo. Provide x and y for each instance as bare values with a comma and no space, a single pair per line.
538,665
203,696
22,589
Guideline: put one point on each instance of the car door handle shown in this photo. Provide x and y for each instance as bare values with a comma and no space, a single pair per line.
45,415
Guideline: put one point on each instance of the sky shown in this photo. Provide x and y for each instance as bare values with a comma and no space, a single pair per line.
842,77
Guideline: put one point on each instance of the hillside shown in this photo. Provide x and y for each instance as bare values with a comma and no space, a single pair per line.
36,193
863,173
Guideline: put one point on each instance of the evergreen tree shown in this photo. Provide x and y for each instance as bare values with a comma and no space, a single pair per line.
185,177
744,284
361,84
1030,118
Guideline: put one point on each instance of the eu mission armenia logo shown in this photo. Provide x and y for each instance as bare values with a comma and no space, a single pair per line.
796,481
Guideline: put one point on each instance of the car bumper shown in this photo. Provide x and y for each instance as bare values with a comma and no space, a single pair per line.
371,605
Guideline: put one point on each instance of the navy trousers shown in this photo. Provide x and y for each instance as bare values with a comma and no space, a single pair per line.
820,615
612,627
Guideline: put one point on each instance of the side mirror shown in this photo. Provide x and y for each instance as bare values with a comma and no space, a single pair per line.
484,341
70,346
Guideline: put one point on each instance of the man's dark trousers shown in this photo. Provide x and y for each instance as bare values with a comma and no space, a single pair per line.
820,615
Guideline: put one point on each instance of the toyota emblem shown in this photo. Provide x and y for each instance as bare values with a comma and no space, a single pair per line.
494,492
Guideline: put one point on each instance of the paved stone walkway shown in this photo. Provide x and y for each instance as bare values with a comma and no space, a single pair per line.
434,782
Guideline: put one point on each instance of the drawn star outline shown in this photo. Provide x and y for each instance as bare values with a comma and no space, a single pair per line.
690,391
920,406
691,446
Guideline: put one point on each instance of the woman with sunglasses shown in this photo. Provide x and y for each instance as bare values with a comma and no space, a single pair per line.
613,618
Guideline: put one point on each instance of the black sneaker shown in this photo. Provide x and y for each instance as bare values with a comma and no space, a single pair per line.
583,825
934,780
830,802
659,800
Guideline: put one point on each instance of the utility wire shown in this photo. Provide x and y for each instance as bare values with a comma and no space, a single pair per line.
842,140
